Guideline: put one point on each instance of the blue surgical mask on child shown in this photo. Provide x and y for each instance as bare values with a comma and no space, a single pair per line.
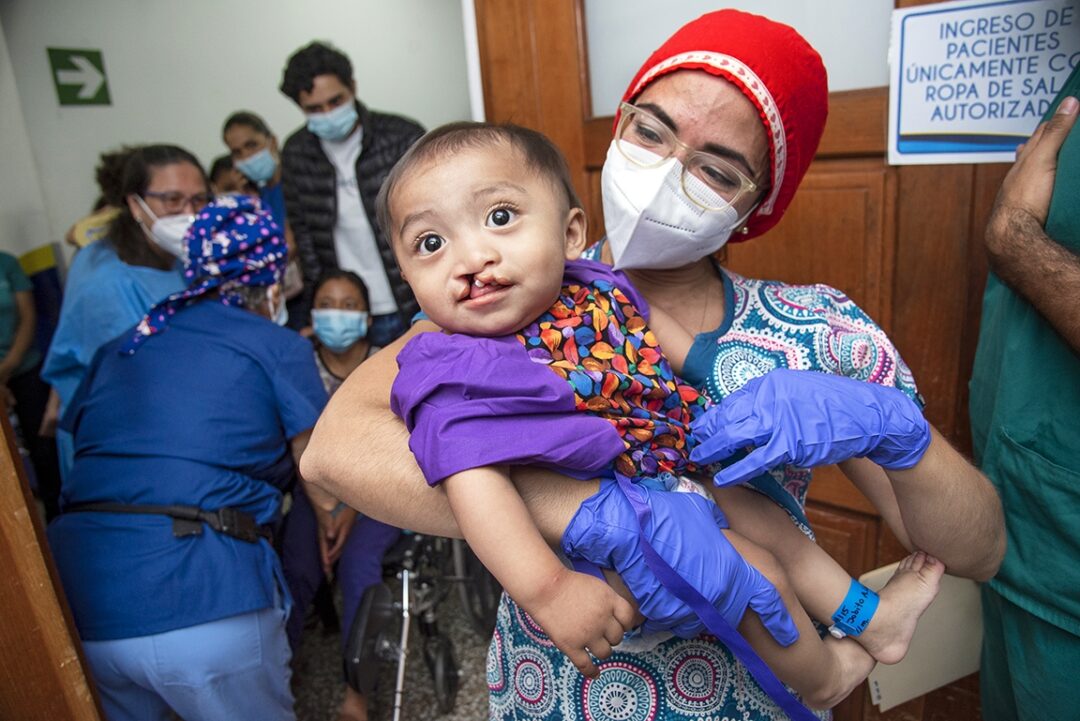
339,329
260,167
334,125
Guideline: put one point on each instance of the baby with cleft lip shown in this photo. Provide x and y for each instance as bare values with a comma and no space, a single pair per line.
547,359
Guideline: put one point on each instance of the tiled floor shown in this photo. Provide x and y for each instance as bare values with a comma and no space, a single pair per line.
319,689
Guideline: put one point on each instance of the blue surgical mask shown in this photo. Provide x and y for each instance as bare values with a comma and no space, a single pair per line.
260,167
339,329
334,125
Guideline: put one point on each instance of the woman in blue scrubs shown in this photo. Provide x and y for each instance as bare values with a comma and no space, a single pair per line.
186,428
113,281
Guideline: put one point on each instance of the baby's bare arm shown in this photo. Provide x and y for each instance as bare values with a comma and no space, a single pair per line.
581,614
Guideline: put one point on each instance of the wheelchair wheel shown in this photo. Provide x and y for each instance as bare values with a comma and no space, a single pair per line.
479,591
439,655
373,638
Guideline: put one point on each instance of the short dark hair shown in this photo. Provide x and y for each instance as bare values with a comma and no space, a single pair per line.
125,235
539,152
248,118
347,275
221,164
311,61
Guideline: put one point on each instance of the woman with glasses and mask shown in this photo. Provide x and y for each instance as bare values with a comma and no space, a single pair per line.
113,281
715,132
186,432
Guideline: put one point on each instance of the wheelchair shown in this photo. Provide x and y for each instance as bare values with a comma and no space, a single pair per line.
419,572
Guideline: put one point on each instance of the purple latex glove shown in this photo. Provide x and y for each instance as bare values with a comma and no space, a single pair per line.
685,530
807,419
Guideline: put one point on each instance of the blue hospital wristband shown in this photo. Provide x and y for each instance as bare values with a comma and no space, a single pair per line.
855,611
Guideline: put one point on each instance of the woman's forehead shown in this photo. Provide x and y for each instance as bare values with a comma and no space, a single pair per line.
180,174
339,287
707,109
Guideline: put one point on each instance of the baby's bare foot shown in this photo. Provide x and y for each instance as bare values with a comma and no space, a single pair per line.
903,600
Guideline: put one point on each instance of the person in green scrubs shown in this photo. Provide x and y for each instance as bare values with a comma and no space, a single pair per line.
1025,396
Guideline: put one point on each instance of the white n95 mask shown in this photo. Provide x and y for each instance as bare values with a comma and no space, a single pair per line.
649,219
168,232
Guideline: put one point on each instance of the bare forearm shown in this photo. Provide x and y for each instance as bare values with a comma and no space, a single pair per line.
495,522
950,510
322,501
361,456
1021,253
1044,273
552,499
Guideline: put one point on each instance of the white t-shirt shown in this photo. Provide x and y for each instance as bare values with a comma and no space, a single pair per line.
354,238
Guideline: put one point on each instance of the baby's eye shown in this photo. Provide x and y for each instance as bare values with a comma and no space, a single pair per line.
429,244
500,217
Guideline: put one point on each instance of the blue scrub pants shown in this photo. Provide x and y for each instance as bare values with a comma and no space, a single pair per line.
234,668
385,329
359,567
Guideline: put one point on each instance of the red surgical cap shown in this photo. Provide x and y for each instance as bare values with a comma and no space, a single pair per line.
777,70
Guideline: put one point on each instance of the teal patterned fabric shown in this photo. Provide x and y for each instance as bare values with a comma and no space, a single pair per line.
770,325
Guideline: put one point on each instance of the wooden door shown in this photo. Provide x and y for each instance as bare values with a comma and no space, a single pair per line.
42,671
903,242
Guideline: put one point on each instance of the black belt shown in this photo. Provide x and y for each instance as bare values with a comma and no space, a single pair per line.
188,520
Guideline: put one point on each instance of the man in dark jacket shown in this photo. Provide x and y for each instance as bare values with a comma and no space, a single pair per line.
332,170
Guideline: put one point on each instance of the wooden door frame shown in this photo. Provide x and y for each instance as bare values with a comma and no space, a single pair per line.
43,672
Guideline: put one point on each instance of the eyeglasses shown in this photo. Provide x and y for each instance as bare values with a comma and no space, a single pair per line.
175,202
702,172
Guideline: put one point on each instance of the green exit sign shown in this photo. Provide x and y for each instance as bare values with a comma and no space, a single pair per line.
79,76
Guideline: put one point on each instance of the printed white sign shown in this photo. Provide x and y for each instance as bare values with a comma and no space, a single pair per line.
969,81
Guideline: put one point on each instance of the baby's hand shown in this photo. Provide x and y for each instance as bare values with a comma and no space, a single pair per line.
582,615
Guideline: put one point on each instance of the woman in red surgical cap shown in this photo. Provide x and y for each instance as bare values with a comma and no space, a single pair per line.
711,140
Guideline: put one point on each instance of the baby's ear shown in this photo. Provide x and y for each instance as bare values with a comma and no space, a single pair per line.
576,233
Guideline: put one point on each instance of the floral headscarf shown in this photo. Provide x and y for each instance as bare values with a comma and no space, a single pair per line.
231,244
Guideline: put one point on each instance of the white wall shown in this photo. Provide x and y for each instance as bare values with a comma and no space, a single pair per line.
176,70
23,224
851,35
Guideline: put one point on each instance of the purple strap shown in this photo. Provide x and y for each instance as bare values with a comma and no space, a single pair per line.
712,619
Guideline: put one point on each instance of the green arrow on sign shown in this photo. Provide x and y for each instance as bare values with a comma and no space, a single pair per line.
79,76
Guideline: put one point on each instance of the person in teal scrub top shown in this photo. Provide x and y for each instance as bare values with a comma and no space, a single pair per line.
1025,394
20,377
